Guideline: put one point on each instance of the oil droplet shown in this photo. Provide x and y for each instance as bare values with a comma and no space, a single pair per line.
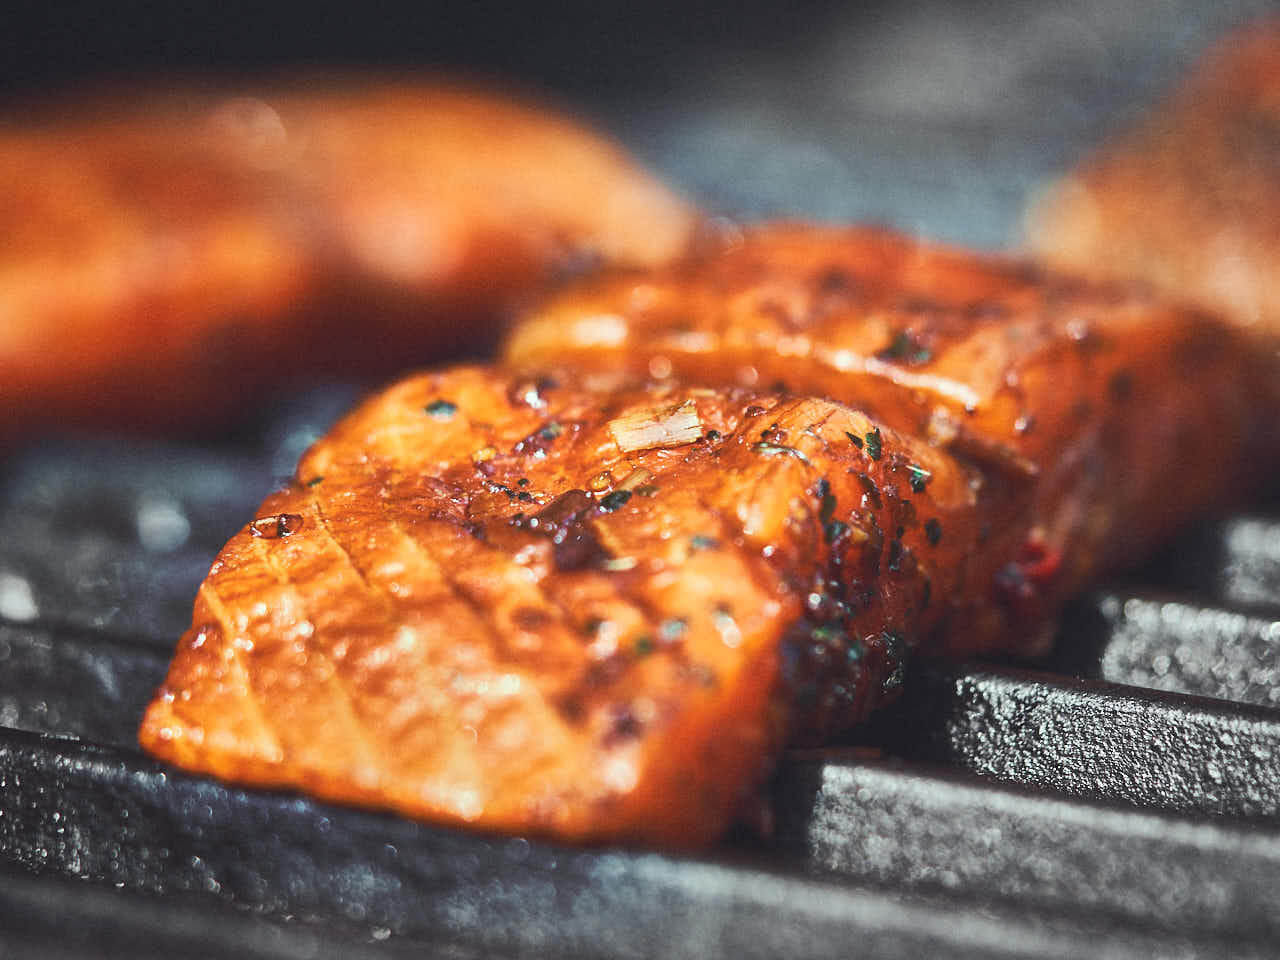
600,482
272,528
660,367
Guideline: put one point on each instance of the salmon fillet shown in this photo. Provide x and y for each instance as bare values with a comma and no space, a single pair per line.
1190,201
166,258
1068,398
591,595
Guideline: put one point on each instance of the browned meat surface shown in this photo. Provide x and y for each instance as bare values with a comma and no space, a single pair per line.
480,604
163,259
1190,201
1073,401
566,601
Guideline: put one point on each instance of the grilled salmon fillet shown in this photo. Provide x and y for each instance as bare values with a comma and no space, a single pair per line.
165,257
590,595
1072,400
481,602
1190,201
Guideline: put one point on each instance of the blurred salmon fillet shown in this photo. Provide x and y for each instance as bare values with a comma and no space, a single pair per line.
165,258
591,594
1190,201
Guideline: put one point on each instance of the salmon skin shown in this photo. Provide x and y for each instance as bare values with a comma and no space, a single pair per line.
590,595
1189,202
168,257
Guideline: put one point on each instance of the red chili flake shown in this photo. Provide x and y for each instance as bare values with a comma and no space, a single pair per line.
1036,565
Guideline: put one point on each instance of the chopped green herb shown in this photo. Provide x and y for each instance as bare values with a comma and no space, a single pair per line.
647,489
551,430
702,542
895,554
522,482
854,439
712,435
906,347
933,530
835,530
874,444
524,496
828,501
826,633
615,500
777,450
643,645
919,477
441,409
673,629
314,481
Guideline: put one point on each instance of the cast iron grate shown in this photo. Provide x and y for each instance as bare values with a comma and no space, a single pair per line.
1123,798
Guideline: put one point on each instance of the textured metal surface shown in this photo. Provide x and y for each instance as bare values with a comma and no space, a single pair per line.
1166,643
1090,739
1121,801
931,829
101,815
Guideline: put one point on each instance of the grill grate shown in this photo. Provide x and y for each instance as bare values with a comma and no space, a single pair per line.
1123,801
1107,796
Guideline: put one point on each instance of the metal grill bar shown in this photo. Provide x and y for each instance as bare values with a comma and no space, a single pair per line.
1094,740
96,813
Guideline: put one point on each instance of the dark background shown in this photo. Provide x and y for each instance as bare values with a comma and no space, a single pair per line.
941,118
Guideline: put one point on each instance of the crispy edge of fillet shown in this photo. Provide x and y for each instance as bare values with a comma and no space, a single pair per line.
607,651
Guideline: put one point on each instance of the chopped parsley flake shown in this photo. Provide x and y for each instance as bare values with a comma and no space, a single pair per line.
919,477
643,645
701,541
905,347
615,500
828,501
854,439
835,530
551,430
874,444
314,481
441,409
826,633
673,629
933,530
